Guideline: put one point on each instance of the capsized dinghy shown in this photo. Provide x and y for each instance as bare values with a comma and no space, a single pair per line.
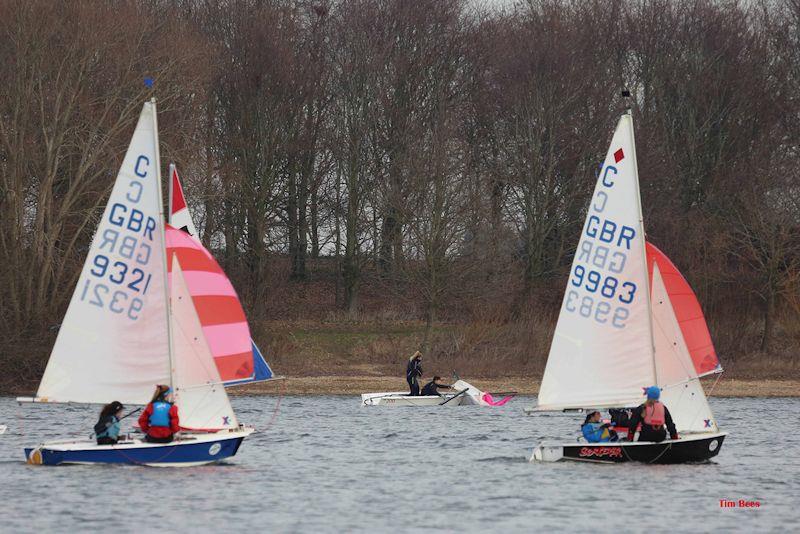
463,394
126,330
628,320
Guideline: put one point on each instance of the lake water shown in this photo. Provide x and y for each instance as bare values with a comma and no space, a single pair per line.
326,464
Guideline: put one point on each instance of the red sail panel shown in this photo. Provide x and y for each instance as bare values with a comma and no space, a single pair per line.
687,311
218,307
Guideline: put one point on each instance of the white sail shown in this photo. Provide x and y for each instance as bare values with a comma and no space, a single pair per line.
199,393
113,341
602,352
681,392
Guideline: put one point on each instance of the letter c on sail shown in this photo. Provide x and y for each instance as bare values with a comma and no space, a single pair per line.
606,179
142,173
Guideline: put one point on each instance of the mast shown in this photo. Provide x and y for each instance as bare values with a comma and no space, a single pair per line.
164,243
628,112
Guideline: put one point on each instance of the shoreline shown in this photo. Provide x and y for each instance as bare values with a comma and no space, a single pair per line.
355,385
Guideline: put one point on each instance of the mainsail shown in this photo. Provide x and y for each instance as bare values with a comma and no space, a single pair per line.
239,360
199,393
615,336
602,349
113,341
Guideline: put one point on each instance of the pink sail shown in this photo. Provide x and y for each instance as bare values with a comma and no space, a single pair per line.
687,311
218,307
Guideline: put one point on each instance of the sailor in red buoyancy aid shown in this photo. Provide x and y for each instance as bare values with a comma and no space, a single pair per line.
654,417
159,420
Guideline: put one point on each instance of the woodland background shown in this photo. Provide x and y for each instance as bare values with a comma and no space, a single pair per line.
378,176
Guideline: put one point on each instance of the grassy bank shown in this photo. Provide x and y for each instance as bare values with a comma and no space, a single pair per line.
341,356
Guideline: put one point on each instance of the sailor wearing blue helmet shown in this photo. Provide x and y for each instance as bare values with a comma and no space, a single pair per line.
654,418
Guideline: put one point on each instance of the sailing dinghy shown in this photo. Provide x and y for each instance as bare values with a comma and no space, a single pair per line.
628,320
127,330
463,394
237,356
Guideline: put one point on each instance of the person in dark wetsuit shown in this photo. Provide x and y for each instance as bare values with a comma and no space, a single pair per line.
654,417
414,372
432,387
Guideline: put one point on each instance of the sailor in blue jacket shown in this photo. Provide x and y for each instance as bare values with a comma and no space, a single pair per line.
107,428
596,432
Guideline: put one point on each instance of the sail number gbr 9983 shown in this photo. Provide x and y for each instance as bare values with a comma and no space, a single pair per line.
119,265
598,288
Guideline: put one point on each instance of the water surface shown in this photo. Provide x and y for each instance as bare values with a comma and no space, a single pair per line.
326,464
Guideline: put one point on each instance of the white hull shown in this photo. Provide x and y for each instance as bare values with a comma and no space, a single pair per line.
462,394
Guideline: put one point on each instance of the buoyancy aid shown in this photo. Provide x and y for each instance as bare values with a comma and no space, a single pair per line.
108,427
654,415
160,415
595,433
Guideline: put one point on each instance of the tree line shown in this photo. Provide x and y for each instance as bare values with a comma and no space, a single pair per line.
443,151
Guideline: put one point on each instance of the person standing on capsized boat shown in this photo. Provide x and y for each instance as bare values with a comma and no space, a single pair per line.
414,372
107,428
432,387
654,417
159,420
595,431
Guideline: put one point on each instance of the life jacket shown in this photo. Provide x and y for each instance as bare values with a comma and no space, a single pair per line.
108,427
654,415
160,415
594,433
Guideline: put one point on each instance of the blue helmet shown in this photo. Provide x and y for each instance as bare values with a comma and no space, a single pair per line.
653,392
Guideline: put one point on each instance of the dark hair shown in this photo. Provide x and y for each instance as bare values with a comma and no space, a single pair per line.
589,416
436,377
111,409
161,392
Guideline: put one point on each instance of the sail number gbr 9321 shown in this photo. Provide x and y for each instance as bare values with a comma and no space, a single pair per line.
119,265
598,289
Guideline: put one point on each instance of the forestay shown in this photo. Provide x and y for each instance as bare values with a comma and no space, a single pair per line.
602,352
199,393
113,341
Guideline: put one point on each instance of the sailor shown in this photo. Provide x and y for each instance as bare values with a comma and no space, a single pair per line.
654,417
432,387
159,420
107,428
594,431
414,372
